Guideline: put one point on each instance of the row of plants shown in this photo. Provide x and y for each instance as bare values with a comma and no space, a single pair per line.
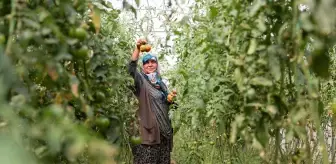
260,75
65,95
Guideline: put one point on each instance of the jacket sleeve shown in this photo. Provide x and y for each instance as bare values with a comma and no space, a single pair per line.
132,70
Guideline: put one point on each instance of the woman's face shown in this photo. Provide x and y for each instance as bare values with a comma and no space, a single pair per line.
150,66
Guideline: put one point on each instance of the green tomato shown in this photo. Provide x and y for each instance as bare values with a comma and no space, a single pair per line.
251,93
91,26
333,108
80,33
136,140
81,53
99,96
79,6
71,32
2,39
102,122
54,111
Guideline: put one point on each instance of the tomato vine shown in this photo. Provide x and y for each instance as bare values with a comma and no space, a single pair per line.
63,69
254,79
258,72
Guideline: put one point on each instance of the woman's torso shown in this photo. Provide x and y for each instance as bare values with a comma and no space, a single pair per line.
159,107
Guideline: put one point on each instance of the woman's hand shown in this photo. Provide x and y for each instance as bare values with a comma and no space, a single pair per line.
136,52
140,42
171,96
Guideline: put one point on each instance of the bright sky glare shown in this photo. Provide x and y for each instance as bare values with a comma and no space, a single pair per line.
150,14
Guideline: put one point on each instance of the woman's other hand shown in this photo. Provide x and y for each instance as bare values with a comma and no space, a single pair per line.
171,96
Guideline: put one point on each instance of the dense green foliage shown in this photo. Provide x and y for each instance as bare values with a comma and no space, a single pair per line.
64,86
261,73
255,82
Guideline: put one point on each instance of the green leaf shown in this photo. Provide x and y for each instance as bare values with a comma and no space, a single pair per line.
320,65
128,6
271,110
7,74
54,136
18,100
31,23
137,2
185,91
261,81
298,115
194,119
40,151
305,22
253,46
239,78
238,121
184,74
261,23
213,12
12,152
256,6
261,135
320,108
216,88
274,62
325,16
256,143
95,16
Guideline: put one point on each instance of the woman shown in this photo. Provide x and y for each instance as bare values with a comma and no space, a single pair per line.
154,124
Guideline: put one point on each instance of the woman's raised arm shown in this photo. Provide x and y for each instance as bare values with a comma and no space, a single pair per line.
132,66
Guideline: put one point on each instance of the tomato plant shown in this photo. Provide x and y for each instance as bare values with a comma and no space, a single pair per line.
255,81
256,76
64,82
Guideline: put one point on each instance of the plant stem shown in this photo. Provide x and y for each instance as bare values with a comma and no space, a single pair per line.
333,141
277,144
322,144
12,22
309,156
